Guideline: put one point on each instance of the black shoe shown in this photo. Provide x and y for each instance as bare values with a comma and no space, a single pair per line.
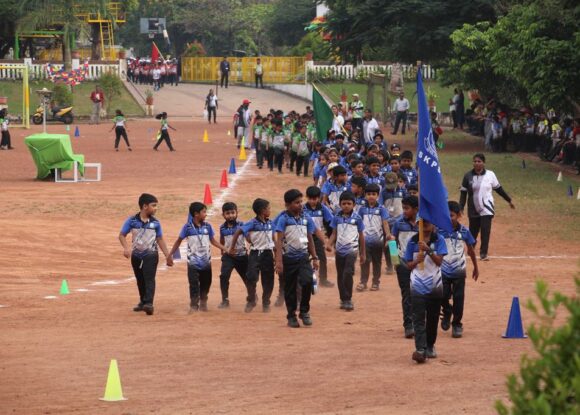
224,304
457,332
419,356
148,308
484,257
203,306
249,307
279,301
306,320
348,306
409,332
266,308
445,323
326,284
193,309
431,353
138,307
293,322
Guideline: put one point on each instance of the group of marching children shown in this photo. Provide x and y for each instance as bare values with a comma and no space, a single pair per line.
363,197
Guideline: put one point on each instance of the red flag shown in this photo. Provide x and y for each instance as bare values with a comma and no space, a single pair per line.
154,52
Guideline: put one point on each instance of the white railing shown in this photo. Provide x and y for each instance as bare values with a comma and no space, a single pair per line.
351,72
37,70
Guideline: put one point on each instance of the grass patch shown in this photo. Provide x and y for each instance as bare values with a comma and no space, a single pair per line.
543,209
81,102
334,91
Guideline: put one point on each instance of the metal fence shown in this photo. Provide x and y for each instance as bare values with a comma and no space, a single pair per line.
351,72
10,71
276,70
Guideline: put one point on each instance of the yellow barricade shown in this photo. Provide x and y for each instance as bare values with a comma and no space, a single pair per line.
276,70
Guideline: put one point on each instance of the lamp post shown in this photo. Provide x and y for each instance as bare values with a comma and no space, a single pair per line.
44,95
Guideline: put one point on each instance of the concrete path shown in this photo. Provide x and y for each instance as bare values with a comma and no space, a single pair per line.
187,100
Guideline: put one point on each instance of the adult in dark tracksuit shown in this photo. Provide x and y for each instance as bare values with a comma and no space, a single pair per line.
238,258
259,232
294,247
225,72
477,190
147,236
403,230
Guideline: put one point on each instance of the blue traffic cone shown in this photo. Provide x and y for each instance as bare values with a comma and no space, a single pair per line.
232,167
77,132
177,255
515,328
570,191
523,164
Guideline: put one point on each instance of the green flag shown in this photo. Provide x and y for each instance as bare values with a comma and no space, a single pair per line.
323,114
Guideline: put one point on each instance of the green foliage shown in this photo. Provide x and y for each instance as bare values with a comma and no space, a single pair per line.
312,43
549,383
407,31
530,57
112,87
195,49
62,95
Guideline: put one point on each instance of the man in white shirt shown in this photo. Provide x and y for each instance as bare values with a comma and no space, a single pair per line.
370,127
156,78
357,108
338,120
401,107
259,73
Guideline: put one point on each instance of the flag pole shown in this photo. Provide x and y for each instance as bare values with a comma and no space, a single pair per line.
421,235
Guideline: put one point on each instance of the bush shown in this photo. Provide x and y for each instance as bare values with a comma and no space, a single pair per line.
549,383
62,96
112,86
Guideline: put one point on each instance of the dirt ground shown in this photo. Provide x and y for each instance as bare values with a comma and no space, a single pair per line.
55,353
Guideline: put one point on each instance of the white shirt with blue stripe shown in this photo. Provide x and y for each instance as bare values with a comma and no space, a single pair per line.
296,230
373,218
227,232
319,214
426,281
145,235
347,233
198,244
333,191
259,234
455,263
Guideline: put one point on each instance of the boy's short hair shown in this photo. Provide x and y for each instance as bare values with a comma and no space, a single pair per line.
412,187
401,176
258,117
359,181
313,191
348,195
229,206
338,170
259,205
146,199
395,158
411,201
355,163
291,195
196,207
454,207
373,188
373,160
407,154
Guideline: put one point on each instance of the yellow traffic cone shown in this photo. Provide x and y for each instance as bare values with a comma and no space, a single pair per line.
205,137
242,152
113,390
229,133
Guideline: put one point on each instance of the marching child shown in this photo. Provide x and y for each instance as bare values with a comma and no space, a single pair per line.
374,176
163,132
426,288
302,150
147,236
256,140
407,169
322,217
239,259
403,230
278,146
376,232
332,189
265,145
119,123
5,143
259,232
357,187
347,239
294,249
454,270
200,236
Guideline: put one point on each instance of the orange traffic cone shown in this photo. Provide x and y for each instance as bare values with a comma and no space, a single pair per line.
207,196
224,181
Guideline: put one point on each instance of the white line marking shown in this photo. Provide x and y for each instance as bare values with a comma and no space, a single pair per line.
3,306
112,282
50,297
534,257
82,290
217,203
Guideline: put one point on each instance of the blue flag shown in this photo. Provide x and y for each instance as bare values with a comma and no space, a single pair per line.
432,193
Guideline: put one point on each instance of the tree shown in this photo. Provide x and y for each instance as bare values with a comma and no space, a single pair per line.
549,382
411,30
312,43
530,57
112,87
287,21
